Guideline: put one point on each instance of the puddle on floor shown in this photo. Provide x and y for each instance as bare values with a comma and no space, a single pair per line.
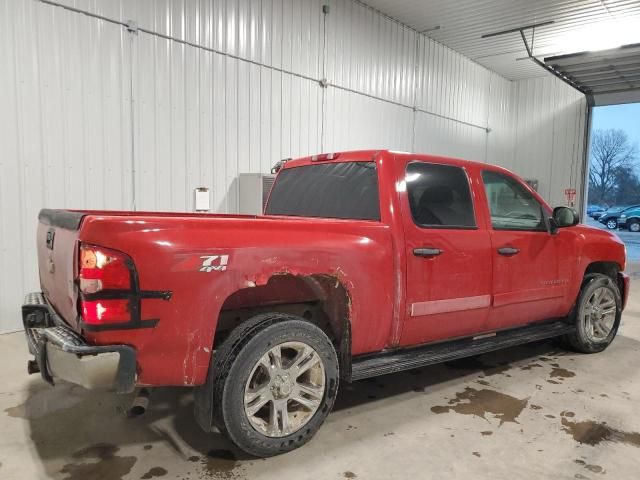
154,472
591,468
531,366
45,401
482,402
592,433
108,466
560,373
220,464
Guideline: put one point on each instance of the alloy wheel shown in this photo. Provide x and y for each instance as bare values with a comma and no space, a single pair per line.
285,389
599,314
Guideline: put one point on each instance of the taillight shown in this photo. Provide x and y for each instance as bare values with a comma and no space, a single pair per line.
96,312
103,269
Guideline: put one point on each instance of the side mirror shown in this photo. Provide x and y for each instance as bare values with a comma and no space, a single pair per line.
565,217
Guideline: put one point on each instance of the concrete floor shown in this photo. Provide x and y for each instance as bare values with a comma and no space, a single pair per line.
524,413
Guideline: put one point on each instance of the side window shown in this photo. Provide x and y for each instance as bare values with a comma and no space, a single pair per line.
439,196
512,206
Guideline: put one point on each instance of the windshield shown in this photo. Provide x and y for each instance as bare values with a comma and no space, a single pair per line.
347,190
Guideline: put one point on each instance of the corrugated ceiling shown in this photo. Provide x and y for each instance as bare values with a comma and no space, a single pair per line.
459,25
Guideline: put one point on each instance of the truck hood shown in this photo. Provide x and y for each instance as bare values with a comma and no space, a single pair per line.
597,233
604,245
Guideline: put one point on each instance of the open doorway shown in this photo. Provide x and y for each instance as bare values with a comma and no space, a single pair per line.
613,198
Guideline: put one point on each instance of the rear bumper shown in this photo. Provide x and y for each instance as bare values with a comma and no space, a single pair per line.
62,354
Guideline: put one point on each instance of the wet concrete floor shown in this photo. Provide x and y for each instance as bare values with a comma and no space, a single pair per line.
530,412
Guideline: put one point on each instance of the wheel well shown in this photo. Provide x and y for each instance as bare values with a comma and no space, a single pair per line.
320,299
610,269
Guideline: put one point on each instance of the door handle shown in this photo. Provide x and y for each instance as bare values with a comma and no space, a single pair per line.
508,251
427,252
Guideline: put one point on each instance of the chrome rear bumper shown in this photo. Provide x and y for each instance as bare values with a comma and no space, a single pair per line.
60,353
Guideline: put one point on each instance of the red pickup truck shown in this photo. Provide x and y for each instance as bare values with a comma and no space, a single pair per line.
365,263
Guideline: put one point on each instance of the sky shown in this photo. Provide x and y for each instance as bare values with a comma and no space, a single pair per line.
625,117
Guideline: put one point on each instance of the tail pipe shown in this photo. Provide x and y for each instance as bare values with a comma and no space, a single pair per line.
140,403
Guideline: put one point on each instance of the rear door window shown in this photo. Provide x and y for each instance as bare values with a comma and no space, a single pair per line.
346,190
439,196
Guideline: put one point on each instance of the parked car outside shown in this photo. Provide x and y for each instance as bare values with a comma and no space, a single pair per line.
630,219
595,211
611,216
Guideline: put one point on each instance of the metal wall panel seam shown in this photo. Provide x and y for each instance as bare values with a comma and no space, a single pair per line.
489,98
43,149
416,82
323,74
6,293
553,132
20,150
132,128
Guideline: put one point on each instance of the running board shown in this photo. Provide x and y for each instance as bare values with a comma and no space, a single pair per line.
372,365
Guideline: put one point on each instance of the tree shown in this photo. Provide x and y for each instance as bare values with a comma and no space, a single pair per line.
627,186
611,153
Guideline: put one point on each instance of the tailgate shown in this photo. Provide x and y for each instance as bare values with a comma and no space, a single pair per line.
57,239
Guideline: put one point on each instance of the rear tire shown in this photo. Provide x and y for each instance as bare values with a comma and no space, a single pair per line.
596,314
612,224
634,226
287,365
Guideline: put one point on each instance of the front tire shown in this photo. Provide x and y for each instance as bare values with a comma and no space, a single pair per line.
275,380
597,314
612,224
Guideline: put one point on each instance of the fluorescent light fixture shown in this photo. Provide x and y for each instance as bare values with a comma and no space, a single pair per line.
603,35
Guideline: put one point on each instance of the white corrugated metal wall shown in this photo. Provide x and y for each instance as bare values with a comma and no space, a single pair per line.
93,116
548,135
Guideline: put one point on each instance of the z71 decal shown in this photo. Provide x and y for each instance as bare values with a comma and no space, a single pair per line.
214,262
200,263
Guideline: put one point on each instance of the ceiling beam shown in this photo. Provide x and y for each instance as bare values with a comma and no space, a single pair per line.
517,29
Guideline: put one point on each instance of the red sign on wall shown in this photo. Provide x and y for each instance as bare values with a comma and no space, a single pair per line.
570,193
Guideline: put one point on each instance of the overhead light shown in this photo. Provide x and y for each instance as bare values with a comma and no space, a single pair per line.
603,35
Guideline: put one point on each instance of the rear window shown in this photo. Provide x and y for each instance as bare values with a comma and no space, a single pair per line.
346,190
439,196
